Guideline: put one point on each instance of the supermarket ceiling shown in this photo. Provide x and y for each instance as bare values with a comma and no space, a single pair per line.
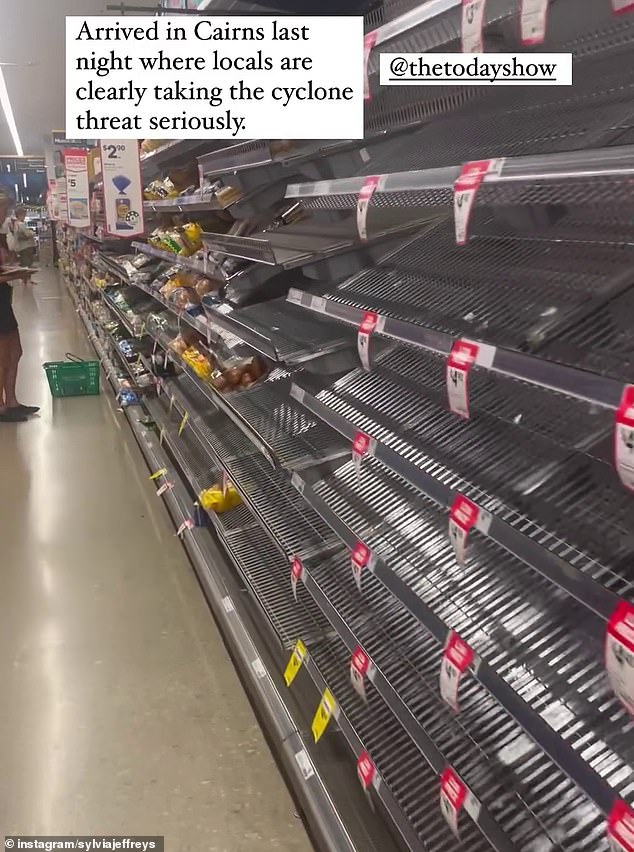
32,37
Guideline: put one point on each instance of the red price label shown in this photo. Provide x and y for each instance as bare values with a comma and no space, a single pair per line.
362,445
297,574
370,323
363,203
366,770
621,828
368,43
620,6
461,359
465,191
360,559
360,667
624,438
453,794
619,653
456,660
463,515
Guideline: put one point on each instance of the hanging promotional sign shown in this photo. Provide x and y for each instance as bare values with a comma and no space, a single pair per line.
77,188
62,198
123,194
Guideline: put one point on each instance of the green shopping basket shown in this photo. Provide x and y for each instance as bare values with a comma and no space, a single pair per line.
73,377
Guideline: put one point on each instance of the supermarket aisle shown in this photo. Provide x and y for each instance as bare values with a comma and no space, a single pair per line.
121,711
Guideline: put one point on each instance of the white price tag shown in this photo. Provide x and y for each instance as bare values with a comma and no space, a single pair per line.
459,363
472,26
361,557
619,653
453,793
227,604
305,764
624,438
363,202
456,660
166,486
465,191
297,574
463,515
370,323
361,666
258,667
362,445
621,828
369,41
620,6
533,20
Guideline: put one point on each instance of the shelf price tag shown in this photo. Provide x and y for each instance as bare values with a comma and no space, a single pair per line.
619,653
465,190
472,26
370,323
369,41
361,557
225,483
363,203
159,474
166,486
463,516
461,359
187,524
366,770
361,666
624,438
533,19
295,663
326,710
620,6
297,574
453,794
621,828
183,423
362,445
161,436
456,660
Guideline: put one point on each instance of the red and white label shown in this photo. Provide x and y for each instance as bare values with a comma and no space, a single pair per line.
225,483
370,323
366,770
297,574
187,524
361,558
621,828
624,438
362,445
368,43
453,794
166,486
465,190
619,653
472,26
619,6
456,660
533,21
463,516
363,202
361,667
461,359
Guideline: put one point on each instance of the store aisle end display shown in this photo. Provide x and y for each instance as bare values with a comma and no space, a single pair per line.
408,429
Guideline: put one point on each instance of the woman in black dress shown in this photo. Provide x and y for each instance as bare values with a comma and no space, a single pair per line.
11,411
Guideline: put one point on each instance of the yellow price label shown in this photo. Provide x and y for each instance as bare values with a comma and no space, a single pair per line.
183,423
159,473
327,707
295,663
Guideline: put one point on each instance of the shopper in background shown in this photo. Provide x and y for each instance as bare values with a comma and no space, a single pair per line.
11,411
23,238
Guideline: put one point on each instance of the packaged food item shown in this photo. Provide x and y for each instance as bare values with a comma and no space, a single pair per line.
199,363
159,190
148,145
178,345
214,500
184,298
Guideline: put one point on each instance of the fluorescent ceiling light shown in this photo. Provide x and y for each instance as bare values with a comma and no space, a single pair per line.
8,114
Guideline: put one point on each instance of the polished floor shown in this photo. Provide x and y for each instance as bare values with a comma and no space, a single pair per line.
120,711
